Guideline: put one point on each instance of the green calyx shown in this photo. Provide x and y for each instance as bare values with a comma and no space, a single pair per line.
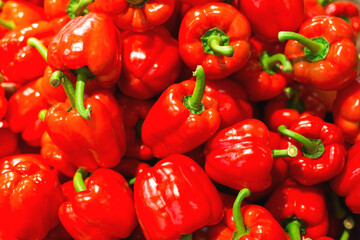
270,63
137,3
193,102
216,42
78,8
294,101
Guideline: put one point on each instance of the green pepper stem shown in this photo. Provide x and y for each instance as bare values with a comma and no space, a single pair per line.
82,76
132,181
42,114
268,62
137,3
57,78
315,47
35,43
238,219
198,93
349,225
186,237
78,180
293,229
291,151
9,24
309,146
324,2
1,4
215,45
79,8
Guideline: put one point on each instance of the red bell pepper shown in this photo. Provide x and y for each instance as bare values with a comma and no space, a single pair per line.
136,111
8,140
30,196
175,197
102,208
315,7
326,59
268,17
321,150
216,36
346,10
83,140
301,209
347,184
151,62
74,48
238,156
296,101
181,119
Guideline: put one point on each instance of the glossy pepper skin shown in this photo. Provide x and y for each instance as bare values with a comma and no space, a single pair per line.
276,15
90,144
151,63
347,184
104,210
30,196
295,102
307,203
8,140
314,8
346,10
234,154
74,47
312,170
136,111
175,186
197,22
346,111
337,67
20,63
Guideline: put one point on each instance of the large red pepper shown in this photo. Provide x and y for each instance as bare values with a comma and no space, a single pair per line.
102,208
136,111
268,17
216,36
90,45
321,150
8,140
346,10
296,101
347,184
326,59
30,196
151,62
238,156
181,119
175,197
301,209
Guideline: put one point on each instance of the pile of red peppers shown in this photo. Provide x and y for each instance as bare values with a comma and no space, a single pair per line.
179,120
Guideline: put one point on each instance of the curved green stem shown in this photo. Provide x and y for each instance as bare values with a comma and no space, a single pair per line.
193,102
314,47
291,151
349,225
57,78
294,230
78,9
82,75
186,237
42,114
78,180
9,24
137,3
269,62
132,181
35,43
215,44
238,219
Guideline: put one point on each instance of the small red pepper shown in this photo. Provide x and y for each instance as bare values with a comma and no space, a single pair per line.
175,197
181,119
314,7
151,62
29,198
8,140
238,156
301,209
326,59
216,36
321,150
102,208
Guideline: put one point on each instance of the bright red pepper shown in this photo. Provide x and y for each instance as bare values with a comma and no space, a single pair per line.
216,36
326,59
175,197
321,150
302,209
102,208
234,156
347,184
199,2
276,15
8,140
136,111
30,196
346,10
296,101
314,7
55,8
151,62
